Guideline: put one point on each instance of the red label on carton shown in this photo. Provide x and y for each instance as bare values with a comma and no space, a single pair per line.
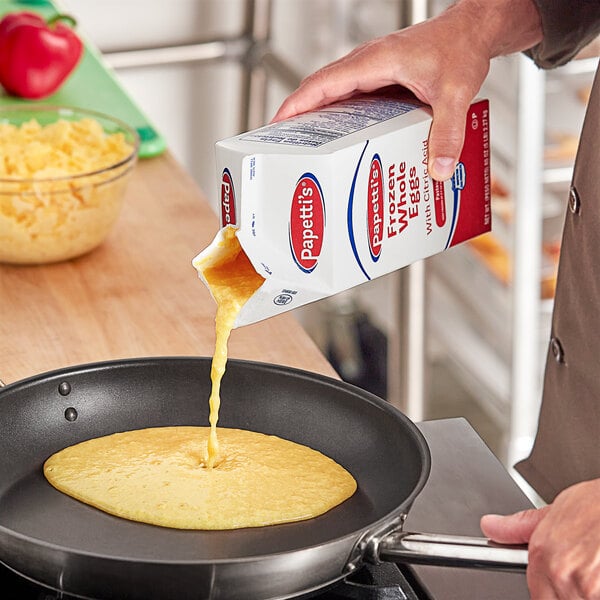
375,199
307,222
439,203
227,199
471,178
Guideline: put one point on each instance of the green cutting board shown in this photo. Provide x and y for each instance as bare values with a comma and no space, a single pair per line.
91,85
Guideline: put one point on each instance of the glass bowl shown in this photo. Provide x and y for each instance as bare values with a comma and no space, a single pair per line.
61,189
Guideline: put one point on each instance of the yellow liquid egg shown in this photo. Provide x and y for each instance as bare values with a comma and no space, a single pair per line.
152,476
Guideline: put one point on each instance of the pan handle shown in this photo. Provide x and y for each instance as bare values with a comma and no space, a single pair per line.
451,551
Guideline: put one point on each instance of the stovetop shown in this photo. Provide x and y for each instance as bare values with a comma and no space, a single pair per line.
386,581
466,481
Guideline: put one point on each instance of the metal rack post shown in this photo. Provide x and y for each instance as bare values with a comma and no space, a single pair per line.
407,342
527,242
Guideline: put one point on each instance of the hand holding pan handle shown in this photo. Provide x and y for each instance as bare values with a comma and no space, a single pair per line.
451,551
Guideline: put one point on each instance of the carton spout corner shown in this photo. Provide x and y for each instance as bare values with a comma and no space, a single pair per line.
215,251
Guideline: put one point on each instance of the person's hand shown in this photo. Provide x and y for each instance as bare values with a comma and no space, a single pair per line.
443,61
564,543
447,76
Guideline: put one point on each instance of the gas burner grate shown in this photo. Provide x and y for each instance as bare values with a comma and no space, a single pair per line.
374,582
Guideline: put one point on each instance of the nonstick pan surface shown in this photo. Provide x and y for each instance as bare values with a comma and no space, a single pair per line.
65,544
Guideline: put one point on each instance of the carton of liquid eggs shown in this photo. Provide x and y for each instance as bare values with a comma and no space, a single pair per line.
333,198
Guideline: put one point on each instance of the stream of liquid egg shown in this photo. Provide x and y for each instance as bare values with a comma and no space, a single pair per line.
232,282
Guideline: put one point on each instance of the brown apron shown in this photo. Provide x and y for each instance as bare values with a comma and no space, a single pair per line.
567,445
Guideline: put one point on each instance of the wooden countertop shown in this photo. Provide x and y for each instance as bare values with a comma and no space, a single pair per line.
136,295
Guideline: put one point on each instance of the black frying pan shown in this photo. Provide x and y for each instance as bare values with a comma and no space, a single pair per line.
67,545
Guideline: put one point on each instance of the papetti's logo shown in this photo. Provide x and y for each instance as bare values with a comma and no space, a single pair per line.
307,222
227,199
375,208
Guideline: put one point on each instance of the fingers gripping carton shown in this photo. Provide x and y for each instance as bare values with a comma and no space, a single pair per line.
333,198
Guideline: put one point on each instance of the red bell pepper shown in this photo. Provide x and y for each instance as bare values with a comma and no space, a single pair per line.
36,56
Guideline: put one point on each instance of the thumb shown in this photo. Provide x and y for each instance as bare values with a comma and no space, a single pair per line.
446,138
512,529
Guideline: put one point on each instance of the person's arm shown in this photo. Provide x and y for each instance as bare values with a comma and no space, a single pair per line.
443,61
564,543
568,26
